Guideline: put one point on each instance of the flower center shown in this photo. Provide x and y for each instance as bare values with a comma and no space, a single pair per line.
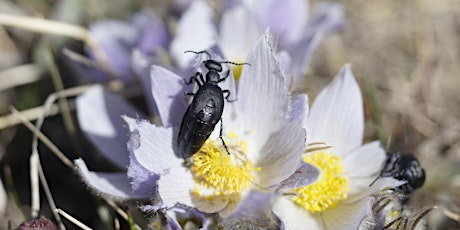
237,69
218,173
330,188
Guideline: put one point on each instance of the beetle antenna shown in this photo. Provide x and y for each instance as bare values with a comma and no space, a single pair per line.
204,51
380,176
234,63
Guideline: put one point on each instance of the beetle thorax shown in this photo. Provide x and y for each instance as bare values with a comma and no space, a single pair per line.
212,77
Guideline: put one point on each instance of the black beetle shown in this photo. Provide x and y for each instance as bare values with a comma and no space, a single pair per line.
205,110
405,168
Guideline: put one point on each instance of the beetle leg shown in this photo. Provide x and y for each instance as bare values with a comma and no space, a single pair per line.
220,136
198,76
228,95
226,76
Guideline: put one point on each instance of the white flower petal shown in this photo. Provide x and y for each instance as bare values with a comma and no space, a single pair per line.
239,32
365,161
176,187
262,104
345,216
153,146
336,116
99,115
294,217
113,185
195,31
280,156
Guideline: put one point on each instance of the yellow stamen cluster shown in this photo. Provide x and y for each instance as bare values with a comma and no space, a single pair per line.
330,188
218,173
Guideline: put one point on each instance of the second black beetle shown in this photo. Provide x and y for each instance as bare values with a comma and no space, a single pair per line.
406,168
205,110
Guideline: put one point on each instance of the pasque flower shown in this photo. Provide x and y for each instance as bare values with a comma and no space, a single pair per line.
335,128
262,128
263,132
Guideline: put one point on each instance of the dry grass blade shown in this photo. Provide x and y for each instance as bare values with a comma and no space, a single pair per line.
34,162
72,219
120,211
452,215
29,115
44,111
74,56
48,195
42,137
41,25
19,75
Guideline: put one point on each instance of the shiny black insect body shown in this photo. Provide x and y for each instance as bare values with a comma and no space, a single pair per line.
205,110
405,168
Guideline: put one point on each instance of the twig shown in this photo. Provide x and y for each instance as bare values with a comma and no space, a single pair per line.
49,197
59,86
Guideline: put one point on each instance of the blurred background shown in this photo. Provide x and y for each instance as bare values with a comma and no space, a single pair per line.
404,54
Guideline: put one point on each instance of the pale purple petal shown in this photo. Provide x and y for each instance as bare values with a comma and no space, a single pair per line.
113,185
336,116
286,19
262,96
294,218
301,55
195,31
154,34
168,91
327,18
188,218
255,204
141,66
99,115
143,181
153,146
305,175
346,216
116,38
